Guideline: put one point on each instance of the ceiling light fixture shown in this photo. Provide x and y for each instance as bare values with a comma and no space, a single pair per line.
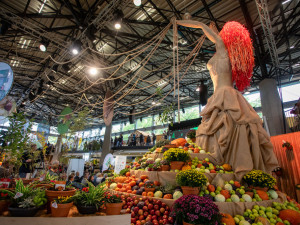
137,2
93,71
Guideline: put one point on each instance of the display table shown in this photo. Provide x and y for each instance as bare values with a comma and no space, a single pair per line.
167,177
111,220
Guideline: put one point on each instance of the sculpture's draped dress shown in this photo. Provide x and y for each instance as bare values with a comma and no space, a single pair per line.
230,129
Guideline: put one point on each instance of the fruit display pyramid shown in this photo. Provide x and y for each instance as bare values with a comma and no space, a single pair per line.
239,201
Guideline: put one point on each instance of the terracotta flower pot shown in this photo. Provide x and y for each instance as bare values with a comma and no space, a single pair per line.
62,210
149,190
113,208
165,168
86,209
3,206
176,165
51,195
190,190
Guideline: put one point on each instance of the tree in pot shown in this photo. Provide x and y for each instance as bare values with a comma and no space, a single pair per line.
113,204
193,209
61,206
25,200
191,181
90,199
177,157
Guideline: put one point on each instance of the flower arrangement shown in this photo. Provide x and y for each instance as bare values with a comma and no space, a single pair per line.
110,198
176,154
258,178
64,199
164,162
90,196
191,178
194,209
191,134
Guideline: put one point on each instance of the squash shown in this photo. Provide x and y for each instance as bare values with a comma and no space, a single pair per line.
143,177
227,167
290,215
150,194
227,219
168,196
263,195
179,142
186,167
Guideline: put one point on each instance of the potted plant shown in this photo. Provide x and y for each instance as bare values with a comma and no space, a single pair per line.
57,190
90,199
25,200
259,180
193,209
192,135
61,206
165,165
191,181
113,204
4,202
177,157
149,186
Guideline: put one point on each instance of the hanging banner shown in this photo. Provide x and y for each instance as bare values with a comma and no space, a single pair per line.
120,163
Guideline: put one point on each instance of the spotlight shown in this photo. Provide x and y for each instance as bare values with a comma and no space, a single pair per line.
93,71
137,2
76,47
43,46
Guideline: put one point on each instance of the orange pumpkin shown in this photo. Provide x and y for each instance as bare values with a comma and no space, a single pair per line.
179,142
263,195
128,174
227,219
144,193
141,184
168,196
132,183
290,215
150,194
143,177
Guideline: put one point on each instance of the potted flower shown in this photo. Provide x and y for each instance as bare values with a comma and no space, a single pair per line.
191,181
177,157
90,199
113,204
165,165
61,206
192,135
193,209
25,200
149,186
4,202
58,189
259,180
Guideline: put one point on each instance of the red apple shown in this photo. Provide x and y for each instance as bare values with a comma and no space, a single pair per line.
141,217
140,212
133,220
162,210
150,206
156,207
157,212
152,212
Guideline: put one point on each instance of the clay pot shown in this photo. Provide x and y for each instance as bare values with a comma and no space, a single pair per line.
190,190
176,165
113,208
3,206
165,168
62,210
86,209
149,190
21,212
51,195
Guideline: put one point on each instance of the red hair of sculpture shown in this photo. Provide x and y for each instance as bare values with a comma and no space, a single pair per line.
240,51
